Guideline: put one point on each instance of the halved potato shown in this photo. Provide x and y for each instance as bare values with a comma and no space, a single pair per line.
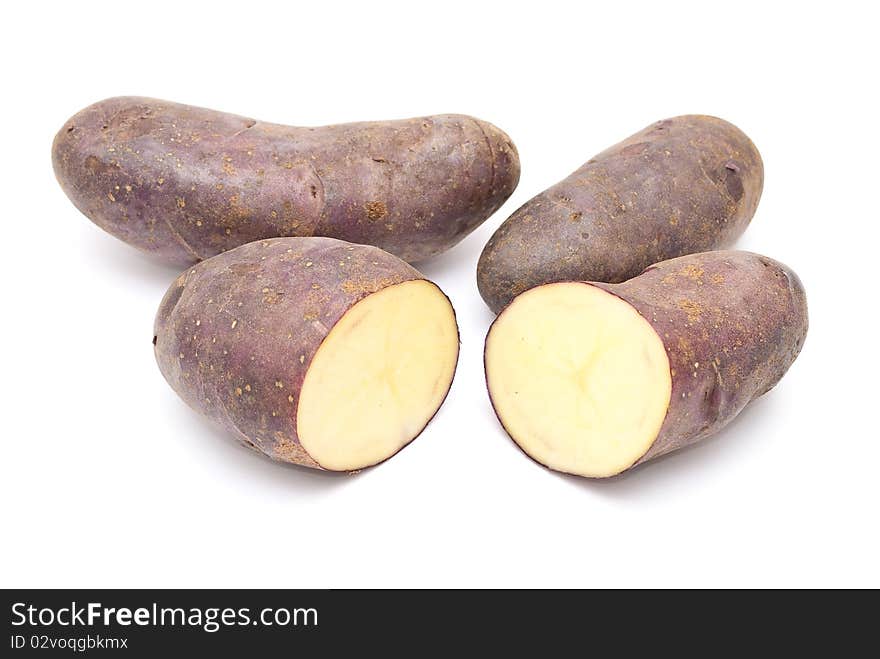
311,350
593,378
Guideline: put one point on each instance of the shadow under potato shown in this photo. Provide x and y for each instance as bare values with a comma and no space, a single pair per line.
126,261
209,438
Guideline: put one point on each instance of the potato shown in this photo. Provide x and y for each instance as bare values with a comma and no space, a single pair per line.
311,350
682,185
592,378
187,183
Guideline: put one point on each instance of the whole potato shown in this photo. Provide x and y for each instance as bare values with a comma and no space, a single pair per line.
187,183
311,350
680,186
593,378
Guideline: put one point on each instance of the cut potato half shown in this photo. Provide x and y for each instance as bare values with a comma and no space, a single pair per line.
378,377
578,378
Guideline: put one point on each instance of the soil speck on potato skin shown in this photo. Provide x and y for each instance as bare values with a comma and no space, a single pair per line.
376,210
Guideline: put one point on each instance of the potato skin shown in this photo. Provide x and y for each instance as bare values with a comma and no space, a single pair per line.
732,323
187,183
680,186
235,334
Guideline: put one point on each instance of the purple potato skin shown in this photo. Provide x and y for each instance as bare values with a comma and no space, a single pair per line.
187,183
732,322
235,334
680,186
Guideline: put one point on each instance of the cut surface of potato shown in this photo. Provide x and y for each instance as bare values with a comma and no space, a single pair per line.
379,376
579,379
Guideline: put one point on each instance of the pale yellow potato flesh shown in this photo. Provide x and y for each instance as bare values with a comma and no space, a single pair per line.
378,377
579,379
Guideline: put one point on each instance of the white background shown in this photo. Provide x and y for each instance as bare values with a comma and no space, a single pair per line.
109,480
